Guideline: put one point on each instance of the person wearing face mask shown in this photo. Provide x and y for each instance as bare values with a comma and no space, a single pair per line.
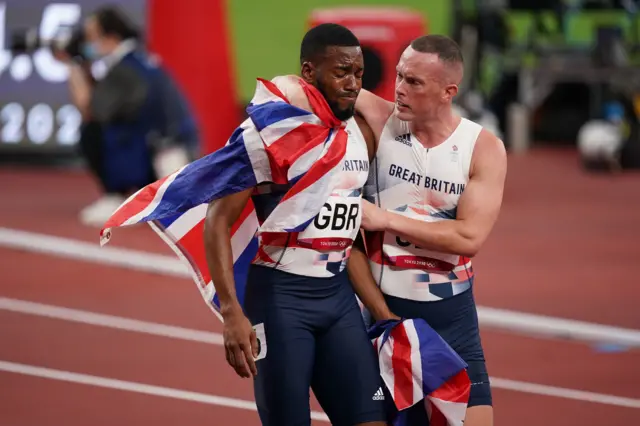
139,125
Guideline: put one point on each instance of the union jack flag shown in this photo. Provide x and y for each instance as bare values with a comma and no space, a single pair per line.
278,143
283,144
419,367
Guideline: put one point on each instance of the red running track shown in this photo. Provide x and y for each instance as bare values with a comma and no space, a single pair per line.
562,247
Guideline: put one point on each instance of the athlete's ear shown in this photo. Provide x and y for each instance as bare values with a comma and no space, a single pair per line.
450,91
308,72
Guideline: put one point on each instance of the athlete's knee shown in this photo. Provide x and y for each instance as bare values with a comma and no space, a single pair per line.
479,415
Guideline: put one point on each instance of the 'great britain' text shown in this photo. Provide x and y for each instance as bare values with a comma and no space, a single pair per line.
426,181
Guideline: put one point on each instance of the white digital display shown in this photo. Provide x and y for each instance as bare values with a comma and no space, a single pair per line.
36,112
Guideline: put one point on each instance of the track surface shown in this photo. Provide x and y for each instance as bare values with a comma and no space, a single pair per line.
566,245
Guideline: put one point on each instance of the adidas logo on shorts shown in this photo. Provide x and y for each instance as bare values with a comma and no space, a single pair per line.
379,395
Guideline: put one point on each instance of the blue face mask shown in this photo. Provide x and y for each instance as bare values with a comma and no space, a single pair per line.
90,52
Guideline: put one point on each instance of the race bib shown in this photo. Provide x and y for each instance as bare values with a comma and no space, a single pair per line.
335,227
262,341
404,254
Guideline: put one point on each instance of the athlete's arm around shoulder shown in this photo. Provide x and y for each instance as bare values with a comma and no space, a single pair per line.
240,340
375,110
477,212
290,87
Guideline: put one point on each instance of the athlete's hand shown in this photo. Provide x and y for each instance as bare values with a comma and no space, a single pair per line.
240,343
373,217
290,87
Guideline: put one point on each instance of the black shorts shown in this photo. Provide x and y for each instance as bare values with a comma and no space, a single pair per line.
315,338
456,320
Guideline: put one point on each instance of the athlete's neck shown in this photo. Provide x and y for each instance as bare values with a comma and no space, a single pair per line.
434,130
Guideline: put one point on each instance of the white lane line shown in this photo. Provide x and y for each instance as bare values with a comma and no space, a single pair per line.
81,250
105,382
553,391
558,328
126,324
110,321
490,318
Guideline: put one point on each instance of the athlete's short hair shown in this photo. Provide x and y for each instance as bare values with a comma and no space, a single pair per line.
320,37
446,48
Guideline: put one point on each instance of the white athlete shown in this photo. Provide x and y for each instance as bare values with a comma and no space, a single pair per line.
436,186
424,184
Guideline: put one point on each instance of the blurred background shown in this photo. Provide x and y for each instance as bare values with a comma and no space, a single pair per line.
97,101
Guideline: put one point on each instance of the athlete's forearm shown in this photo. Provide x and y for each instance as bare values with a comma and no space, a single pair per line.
217,243
220,217
365,285
447,236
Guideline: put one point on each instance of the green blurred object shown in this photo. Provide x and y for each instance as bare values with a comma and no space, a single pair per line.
266,36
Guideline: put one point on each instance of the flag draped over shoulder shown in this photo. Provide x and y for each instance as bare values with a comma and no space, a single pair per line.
283,144
419,367
278,143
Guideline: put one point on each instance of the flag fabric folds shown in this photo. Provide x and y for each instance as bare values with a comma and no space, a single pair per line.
278,143
419,367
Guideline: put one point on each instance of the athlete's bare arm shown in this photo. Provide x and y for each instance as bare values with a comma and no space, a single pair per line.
358,264
477,212
366,131
375,110
241,345
364,284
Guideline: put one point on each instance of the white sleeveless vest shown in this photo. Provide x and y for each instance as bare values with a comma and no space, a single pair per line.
425,184
322,249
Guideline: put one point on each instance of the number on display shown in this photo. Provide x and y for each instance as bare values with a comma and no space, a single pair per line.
54,16
39,123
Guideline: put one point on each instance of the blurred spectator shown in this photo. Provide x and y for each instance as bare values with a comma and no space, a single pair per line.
137,125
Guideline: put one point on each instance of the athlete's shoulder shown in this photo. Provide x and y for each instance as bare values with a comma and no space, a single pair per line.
489,153
492,143
368,135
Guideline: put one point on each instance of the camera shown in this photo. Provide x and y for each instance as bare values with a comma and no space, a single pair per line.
66,40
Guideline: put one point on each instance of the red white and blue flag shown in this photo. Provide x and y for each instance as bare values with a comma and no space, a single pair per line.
283,144
278,143
419,367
